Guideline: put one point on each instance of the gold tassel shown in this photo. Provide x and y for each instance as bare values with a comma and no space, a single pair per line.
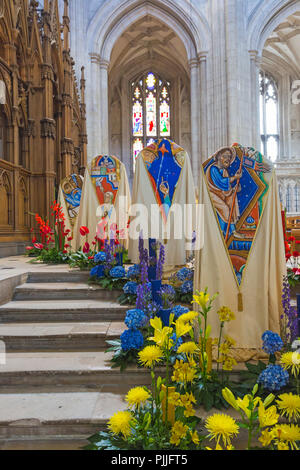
240,302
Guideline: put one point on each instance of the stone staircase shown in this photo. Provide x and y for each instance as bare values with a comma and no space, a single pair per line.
57,386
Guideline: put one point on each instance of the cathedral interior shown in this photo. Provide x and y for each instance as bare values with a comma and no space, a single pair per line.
70,77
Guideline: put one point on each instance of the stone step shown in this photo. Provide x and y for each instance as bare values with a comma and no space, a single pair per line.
54,417
62,291
61,311
56,277
59,336
65,371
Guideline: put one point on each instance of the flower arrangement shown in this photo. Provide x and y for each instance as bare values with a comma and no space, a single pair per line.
163,417
167,295
182,282
53,247
292,258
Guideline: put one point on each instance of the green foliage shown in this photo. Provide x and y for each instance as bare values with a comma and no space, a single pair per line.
127,299
81,260
183,298
53,256
121,358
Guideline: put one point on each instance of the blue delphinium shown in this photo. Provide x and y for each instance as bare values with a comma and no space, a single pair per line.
274,378
184,274
130,288
133,271
187,287
136,319
271,342
117,272
179,310
100,257
131,339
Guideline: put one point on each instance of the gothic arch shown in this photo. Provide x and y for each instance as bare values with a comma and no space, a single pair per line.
113,18
266,19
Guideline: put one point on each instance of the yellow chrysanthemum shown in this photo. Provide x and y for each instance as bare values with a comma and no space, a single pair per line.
188,317
202,298
178,432
221,426
267,417
289,405
291,360
120,423
188,348
287,433
150,355
225,314
137,396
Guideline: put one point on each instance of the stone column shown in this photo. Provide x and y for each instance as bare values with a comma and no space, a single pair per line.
104,106
203,107
285,113
94,124
195,157
255,62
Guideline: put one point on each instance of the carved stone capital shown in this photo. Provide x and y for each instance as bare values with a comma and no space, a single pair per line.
48,128
67,146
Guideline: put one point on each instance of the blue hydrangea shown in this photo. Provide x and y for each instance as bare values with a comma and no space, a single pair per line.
133,271
93,271
100,257
117,272
187,287
97,271
177,342
136,319
271,342
184,274
274,378
130,288
132,339
179,310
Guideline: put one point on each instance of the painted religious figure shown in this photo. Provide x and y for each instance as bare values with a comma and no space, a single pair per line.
238,182
71,188
164,161
105,174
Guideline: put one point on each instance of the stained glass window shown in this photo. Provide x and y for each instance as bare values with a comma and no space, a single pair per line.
151,111
269,116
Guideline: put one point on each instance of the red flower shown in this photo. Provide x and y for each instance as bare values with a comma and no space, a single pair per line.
291,239
70,239
288,256
84,231
67,246
296,254
90,257
34,240
38,246
117,242
86,248
29,248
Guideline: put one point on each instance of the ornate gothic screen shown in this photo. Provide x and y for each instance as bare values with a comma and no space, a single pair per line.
151,111
269,116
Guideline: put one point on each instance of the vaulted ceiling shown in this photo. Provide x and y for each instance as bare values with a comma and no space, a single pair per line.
283,45
148,38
